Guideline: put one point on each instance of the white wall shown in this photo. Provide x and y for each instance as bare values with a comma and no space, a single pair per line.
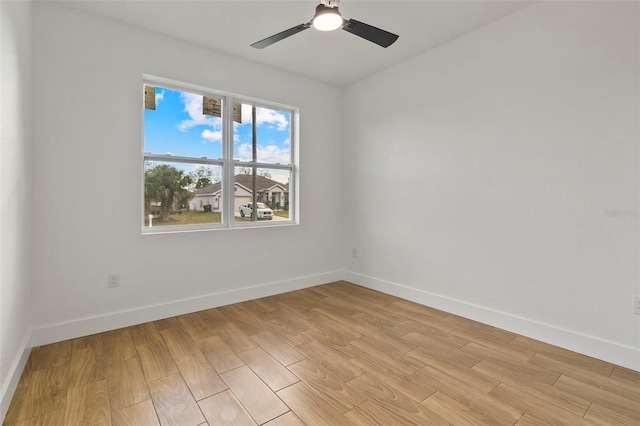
15,185
87,145
481,177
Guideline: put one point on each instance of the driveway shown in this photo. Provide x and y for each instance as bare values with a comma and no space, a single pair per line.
275,218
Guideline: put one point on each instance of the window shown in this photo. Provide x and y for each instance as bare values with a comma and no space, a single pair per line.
210,157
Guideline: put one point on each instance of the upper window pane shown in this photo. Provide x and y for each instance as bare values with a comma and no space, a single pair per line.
181,123
272,133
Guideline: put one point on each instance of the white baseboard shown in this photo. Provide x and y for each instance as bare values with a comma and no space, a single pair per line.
98,324
15,371
614,353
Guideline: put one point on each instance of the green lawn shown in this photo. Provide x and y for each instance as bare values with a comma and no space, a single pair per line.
198,217
189,218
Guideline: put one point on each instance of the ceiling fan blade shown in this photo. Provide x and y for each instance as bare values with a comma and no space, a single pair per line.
280,36
375,35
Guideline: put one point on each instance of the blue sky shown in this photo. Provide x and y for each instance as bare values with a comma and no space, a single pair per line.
177,126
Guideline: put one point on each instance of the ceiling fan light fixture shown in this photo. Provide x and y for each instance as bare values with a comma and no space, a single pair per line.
327,18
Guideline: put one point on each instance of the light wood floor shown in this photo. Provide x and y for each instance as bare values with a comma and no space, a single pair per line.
336,354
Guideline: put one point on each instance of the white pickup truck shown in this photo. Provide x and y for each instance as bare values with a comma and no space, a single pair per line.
263,212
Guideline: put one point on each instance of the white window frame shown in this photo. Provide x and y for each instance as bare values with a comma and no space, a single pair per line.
227,163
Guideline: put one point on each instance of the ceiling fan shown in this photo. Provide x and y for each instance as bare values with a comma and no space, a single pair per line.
328,18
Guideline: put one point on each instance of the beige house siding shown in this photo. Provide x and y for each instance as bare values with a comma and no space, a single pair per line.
242,196
269,191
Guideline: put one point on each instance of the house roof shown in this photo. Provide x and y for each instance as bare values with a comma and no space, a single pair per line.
262,183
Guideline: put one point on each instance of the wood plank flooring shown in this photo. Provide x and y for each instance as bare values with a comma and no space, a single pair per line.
336,354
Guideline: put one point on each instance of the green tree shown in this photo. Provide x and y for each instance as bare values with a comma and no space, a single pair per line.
202,177
166,185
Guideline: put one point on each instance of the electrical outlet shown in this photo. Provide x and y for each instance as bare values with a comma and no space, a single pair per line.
636,305
113,280
354,252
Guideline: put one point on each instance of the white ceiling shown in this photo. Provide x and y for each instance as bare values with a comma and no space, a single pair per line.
338,58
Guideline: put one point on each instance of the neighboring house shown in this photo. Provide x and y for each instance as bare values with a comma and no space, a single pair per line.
268,191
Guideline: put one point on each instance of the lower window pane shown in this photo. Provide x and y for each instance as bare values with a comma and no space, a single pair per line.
182,194
271,194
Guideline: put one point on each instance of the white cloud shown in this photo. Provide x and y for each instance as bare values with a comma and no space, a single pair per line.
193,106
278,119
159,96
270,116
211,135
244,152
266,154
273,154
